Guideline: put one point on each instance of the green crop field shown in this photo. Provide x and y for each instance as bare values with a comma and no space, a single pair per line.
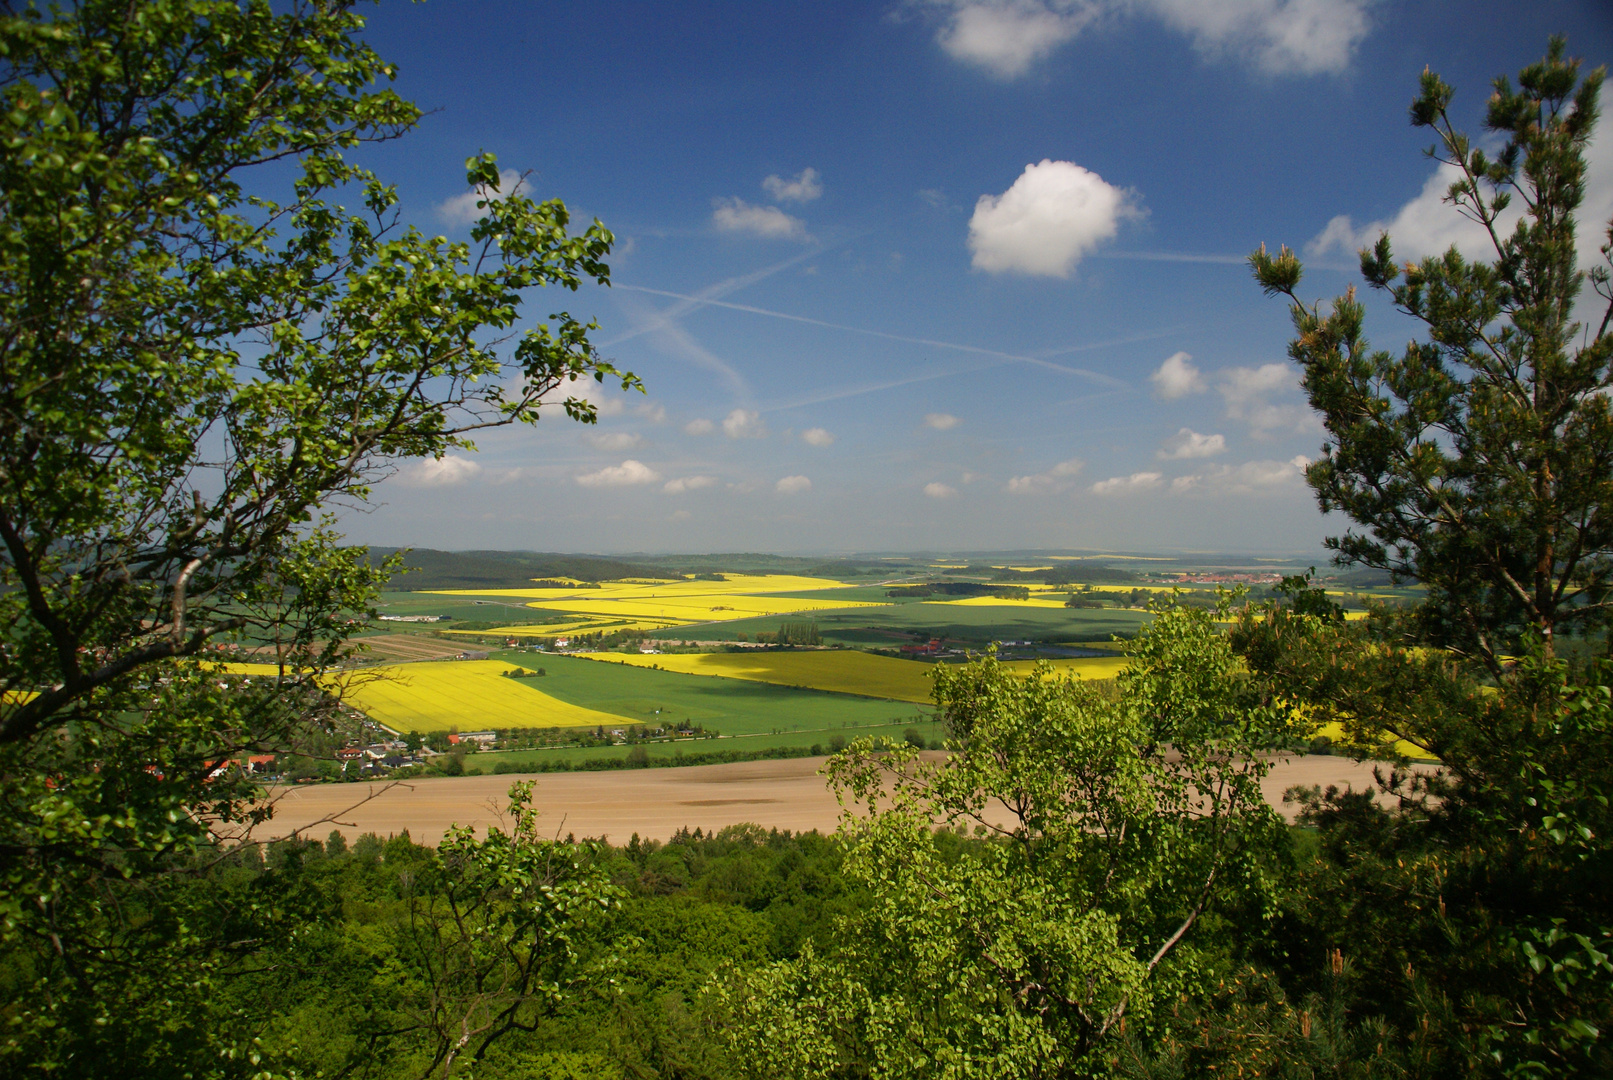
896,624
731,706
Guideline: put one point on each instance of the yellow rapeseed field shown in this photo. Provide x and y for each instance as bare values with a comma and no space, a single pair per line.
840,671
997,601
1087,667
468,694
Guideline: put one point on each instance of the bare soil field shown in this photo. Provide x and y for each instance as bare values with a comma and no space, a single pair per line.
654,803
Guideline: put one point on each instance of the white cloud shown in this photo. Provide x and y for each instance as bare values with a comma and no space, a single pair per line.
655,414
940,491
699,427
1055,213
1250,478
680,515
744,424
1006,37
940,421
1428,225
1177,377
793,485
442,472
461,209
769,222
1124,485
615,441
802,188
817,436
1279,37
627,474
1246,392
1053,479
688,483
1188,443
1302,37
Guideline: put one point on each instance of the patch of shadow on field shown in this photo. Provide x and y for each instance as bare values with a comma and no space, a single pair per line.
727,802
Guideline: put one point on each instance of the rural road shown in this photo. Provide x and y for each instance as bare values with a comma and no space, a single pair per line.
654,803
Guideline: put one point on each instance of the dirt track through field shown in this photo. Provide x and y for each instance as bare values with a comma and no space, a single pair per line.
654,803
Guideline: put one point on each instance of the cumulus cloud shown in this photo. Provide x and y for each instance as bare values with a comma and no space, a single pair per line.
1055,213
1247,393
940,421
462,210
1428,225
1188,443
817,436
615,440
1124,485
1054,479
688,483
768,222
627,474
744,424
1007,38
699,427
801,188
655,414
940,491
793,485
1177,377
442,472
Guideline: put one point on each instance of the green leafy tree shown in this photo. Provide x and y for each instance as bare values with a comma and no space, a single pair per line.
194,370
1112,824
1479,462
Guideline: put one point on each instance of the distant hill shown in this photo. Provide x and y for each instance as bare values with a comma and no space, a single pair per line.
431,569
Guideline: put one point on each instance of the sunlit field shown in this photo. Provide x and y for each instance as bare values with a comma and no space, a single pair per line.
840,671
467,694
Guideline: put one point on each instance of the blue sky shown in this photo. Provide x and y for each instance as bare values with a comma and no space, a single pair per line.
940,274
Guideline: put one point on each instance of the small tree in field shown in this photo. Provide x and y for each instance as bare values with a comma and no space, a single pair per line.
1479,462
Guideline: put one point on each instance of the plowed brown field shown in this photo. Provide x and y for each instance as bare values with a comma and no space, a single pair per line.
654,803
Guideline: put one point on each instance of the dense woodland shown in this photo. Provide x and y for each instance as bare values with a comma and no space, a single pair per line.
1141,910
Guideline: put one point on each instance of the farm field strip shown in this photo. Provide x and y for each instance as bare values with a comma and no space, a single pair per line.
702,608
838,671
998,601
438,695
468,694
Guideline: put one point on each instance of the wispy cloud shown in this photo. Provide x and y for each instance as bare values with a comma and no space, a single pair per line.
804,187
817,436
1036,361
1055,479
688,483
1247,393
744,424
1126,485
940,421
699,426
1007,38
939,490
793,485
